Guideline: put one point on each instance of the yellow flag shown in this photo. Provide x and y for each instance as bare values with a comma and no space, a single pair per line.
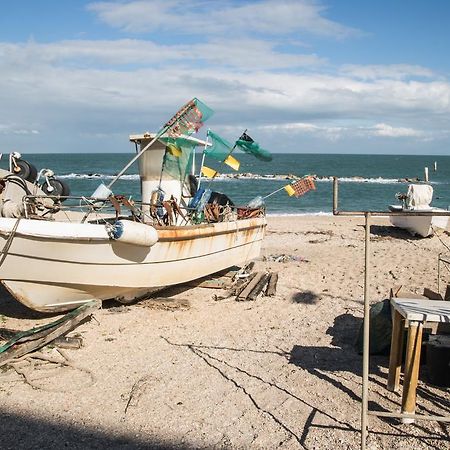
174,150
232,162
289,189
210,173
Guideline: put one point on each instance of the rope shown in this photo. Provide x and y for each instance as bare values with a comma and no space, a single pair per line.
442,242
8,243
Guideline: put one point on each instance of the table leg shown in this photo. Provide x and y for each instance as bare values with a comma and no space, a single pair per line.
412,364
395,357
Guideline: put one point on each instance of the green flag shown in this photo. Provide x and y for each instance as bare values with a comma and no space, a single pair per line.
248,145
220,148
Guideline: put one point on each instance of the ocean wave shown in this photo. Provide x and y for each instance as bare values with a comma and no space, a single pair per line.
254,176
97,176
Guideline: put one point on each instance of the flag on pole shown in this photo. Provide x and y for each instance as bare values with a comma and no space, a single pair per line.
248,145
220,149
300,187
232,162
189,119
208,172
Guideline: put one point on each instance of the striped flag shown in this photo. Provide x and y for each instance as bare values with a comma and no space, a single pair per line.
300,187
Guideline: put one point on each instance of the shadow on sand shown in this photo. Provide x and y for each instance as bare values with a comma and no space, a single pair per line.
22,432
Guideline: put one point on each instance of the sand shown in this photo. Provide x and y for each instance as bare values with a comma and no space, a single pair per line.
279,372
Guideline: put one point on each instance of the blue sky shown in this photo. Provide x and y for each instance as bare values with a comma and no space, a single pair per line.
301,76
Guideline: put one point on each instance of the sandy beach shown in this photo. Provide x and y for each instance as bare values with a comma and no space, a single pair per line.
197,372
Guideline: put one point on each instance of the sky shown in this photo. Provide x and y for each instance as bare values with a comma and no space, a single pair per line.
303,76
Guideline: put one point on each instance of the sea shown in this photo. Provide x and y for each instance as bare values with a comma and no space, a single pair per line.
366,182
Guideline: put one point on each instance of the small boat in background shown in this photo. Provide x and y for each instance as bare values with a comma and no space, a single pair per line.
417,199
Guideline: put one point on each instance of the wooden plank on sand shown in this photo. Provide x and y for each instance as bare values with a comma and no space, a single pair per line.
249,288
272,284
20,347
259,287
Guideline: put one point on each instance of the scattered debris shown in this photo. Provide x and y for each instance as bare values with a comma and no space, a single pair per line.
392,274
166,303
283,258
31,340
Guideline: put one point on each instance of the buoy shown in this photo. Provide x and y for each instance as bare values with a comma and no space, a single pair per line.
134,233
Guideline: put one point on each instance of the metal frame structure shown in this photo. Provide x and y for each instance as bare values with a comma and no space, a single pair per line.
365,379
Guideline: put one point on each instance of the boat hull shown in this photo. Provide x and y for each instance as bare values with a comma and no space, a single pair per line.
420,225
53,271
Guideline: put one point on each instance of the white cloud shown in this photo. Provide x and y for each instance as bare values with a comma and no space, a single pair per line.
14,129
382,129
250,54
391,71
275,17
102,87
337,132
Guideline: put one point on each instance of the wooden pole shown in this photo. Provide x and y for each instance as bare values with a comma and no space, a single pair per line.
395,357
426,174
365,380
412,363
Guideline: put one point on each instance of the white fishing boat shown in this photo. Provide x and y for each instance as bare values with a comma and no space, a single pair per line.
55,258
418,199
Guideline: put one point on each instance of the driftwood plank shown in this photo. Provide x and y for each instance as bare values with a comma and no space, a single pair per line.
272,284
241,284
218,283
259,287
16,348
249,288
61,341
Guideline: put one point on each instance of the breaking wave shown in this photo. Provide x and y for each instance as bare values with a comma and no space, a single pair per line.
254,176
97,176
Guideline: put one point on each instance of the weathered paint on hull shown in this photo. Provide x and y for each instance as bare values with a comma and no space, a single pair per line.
55,274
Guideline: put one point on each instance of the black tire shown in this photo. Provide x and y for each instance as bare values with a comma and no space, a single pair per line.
217,198
60,188
25,170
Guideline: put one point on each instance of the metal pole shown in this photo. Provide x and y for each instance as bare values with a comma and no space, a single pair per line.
365,380
200,172
335,194
136,157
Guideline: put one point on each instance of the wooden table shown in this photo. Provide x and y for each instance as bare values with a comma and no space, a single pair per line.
415,314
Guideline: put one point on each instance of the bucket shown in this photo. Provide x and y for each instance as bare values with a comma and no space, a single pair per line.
438,360
102,192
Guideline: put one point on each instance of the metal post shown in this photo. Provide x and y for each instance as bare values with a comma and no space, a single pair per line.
335,195
365,380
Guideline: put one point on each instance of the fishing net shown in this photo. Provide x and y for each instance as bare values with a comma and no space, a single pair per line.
178,157
189,119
